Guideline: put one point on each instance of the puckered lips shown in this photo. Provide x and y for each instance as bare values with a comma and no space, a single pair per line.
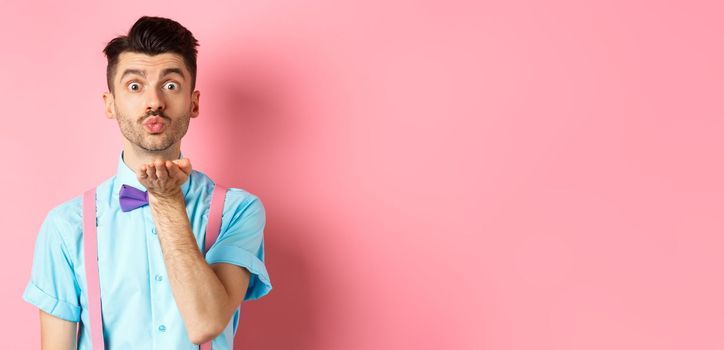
154,125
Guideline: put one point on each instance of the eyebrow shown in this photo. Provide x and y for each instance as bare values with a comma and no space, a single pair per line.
142,73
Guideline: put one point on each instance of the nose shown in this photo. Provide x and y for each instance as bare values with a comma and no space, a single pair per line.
154,101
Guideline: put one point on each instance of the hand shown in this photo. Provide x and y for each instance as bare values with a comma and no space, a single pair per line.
163,179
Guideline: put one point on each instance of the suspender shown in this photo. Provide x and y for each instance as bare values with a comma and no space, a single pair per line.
90,247
213,227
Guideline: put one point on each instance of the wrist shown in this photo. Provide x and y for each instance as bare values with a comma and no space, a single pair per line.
160,198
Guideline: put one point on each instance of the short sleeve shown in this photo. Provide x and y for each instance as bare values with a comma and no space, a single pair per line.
241,241
53,287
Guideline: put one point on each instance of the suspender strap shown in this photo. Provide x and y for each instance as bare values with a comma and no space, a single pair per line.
213,226
90,246
216,208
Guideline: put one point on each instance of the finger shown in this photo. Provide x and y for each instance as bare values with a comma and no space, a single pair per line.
161,172
172,169
151,172
184,164
142,172
181,163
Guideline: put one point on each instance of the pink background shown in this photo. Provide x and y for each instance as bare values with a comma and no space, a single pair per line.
437,175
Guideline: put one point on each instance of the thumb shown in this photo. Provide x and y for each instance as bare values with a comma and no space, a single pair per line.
184,164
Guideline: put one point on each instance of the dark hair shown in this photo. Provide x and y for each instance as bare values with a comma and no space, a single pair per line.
153,36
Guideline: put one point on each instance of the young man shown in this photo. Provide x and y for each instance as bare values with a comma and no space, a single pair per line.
157,289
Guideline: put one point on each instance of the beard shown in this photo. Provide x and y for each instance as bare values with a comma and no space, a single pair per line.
135,133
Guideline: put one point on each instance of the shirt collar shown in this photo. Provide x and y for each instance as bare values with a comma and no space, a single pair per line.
127,176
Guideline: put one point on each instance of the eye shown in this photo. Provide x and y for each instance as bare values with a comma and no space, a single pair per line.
134,86
171,86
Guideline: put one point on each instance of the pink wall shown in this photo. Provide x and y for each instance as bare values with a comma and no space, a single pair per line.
437,175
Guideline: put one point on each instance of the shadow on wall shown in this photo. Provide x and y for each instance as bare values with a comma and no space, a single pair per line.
251,117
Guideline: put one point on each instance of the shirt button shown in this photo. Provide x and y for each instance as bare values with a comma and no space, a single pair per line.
162,328
159,278
153,230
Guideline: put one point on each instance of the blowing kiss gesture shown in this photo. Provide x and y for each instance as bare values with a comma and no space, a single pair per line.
163,178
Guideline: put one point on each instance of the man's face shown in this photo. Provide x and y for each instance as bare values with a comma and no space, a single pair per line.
152,99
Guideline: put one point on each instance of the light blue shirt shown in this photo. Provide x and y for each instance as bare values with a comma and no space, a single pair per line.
139,311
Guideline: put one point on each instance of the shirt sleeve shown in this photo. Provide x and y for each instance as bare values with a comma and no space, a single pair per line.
241,241
53,287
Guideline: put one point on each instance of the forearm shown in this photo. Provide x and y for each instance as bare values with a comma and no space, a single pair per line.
199,294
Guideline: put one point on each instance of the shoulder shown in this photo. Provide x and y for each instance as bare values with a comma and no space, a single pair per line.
62,227
70,212
241,198
66,218
243,209
236,198
67,214
238,201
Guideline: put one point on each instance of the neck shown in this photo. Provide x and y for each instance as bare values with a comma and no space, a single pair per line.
134,156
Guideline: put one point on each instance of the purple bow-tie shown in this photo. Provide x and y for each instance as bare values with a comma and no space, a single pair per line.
132,198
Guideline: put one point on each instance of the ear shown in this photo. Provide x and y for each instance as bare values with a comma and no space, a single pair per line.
110,107
195,103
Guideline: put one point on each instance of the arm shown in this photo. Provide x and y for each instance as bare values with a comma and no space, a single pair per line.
52,286
56,333
205,295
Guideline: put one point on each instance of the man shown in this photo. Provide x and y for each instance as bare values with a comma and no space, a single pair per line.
157,289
